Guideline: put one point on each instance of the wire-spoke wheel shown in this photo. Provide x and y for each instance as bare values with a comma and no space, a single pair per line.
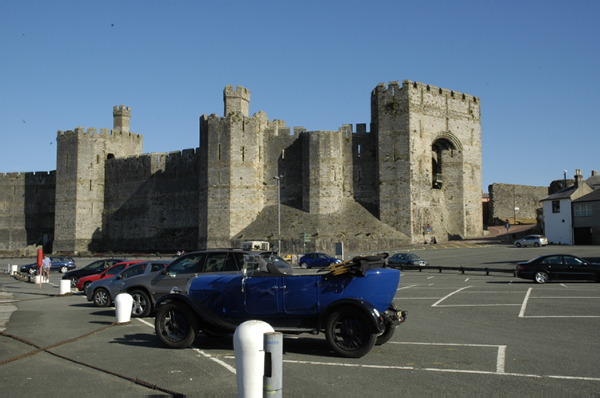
175,325
349,332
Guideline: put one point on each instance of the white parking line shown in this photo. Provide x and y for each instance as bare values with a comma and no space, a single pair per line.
444,298
528,296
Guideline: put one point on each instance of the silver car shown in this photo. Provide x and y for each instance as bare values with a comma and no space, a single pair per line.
103,291
532,240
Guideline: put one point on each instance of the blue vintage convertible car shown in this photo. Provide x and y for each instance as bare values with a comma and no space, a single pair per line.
351,302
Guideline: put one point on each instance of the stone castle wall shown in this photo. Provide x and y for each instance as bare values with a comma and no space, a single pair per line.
418,166
505,197
27,210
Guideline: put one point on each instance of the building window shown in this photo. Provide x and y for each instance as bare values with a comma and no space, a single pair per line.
583,210
556,206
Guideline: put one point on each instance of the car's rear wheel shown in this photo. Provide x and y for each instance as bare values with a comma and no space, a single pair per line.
101,298
141,304
175,325
518,244
64,269
385,336
349,333
536,244
541,277
304,265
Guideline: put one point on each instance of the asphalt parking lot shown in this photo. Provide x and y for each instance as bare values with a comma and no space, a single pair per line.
466,333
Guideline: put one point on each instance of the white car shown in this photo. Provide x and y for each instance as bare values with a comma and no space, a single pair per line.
532,240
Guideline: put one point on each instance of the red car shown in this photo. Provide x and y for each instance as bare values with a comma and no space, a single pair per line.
84,282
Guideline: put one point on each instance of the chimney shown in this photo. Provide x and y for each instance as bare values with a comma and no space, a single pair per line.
578,178
594,173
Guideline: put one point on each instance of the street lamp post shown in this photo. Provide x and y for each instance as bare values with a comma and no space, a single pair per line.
278,178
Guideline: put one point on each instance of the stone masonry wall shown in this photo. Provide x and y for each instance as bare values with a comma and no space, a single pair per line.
26,210
505,197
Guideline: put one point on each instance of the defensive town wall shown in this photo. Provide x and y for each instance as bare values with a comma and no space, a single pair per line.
504,198
26,210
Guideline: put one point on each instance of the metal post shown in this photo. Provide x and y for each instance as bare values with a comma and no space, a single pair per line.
278,178
273,375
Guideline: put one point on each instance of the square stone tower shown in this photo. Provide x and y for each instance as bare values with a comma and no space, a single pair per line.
429,160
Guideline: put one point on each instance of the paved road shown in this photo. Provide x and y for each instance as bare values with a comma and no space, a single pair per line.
465,334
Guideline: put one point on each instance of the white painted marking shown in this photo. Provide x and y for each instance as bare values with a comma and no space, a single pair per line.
444,298
225,365
406,287
501,359
524,305
431,277
467,279
563,285
145,322
477,305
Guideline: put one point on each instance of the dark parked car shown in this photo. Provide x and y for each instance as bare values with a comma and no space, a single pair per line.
351,303
59,263
542,269
92,268
311,260
406,259
146,289
103,291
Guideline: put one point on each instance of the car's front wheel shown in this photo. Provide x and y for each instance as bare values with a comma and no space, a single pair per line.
175,325
518,244
541,277
349,333
85,287
304,265
536,244
74,281
32,270
101,298
141,304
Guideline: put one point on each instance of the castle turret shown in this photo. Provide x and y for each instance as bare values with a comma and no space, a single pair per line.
80,169
121,115
237,100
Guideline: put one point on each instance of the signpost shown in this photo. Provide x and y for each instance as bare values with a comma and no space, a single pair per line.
305,237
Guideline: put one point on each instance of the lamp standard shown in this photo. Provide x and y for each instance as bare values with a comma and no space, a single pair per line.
278,178
565,179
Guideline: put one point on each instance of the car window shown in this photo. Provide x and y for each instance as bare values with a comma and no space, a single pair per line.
156,267
96,265
110,263
570,260
552,260
186,265
135,270
116,269
215,262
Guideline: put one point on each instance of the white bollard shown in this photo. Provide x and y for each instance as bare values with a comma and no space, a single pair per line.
13,269
248,343
123,307
65,286
37,279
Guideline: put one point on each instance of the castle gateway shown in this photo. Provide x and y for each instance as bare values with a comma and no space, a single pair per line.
414,174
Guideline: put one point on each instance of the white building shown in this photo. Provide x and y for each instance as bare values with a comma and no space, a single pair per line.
558,216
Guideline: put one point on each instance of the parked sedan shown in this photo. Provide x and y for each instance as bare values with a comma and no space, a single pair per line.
83,283
92,268
310,260
103,291
532,240
542,269
59,263
406,259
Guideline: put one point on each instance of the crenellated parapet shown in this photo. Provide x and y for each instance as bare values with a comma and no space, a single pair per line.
236,100
92,133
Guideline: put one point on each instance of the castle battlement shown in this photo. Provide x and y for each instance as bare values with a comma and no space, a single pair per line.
121,110
440,91
92,132
346,129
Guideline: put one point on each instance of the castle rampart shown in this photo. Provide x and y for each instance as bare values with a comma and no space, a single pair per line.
417,164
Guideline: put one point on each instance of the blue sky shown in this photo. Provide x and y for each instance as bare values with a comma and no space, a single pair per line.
533,64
